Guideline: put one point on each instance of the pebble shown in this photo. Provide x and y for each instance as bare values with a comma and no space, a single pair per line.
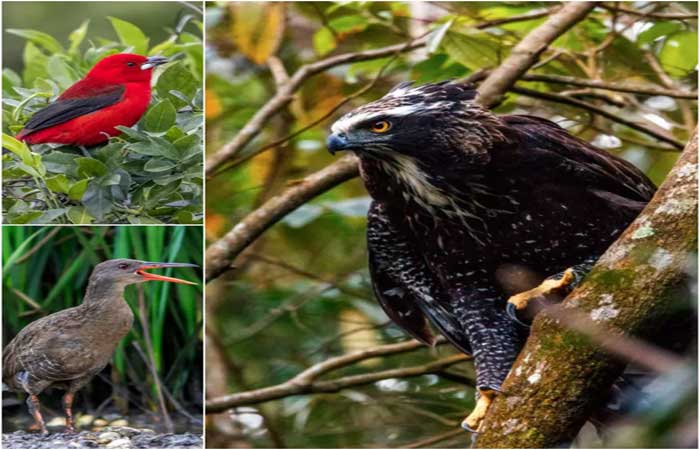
107,436
119,423
119,443
100,423
84,420
56,422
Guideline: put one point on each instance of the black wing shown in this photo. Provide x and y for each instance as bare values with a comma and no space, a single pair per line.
542,140
406,290
63,110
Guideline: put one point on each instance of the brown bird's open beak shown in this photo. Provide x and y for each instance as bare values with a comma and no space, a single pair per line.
159,265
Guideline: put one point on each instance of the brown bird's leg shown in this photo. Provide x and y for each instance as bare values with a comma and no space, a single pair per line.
35,410
68,410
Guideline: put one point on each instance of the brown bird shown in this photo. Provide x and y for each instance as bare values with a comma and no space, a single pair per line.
66,349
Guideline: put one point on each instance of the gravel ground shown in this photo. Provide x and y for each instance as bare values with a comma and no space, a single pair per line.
109,437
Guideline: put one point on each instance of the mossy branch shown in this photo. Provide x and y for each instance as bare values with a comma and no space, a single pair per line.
561,376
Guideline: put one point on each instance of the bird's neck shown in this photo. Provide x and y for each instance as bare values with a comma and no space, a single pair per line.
102,294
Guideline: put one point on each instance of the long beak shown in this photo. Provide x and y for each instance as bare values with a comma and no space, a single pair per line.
153,61
160,265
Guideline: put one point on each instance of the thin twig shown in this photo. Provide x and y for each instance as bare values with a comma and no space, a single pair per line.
651,15
306,385
597,110
286,91
631,88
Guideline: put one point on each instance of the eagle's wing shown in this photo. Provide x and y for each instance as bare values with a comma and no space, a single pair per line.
65,109
615,179
406,290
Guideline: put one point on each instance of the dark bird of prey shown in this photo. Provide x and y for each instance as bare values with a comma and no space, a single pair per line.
459,192
66,349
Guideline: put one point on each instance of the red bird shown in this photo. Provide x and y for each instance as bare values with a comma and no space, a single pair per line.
115,92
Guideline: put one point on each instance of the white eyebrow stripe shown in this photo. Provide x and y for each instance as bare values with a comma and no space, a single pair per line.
345,124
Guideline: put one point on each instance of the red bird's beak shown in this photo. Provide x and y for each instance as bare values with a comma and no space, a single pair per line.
158,265
153,61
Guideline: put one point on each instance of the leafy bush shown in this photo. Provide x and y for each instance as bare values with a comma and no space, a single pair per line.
152,173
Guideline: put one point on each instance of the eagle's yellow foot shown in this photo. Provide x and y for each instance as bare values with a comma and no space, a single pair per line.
473,420
548,286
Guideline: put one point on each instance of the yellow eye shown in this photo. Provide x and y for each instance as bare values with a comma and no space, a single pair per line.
380,127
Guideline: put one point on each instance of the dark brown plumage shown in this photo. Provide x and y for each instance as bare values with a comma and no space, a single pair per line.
459,193
66,349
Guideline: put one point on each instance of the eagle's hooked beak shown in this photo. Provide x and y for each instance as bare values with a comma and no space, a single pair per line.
337,143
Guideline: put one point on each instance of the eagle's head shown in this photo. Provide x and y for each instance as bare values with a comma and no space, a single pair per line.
436,124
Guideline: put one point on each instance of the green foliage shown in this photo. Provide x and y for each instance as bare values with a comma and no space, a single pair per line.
45,269
152,173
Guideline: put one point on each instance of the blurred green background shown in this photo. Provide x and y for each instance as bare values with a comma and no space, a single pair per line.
59,19
46,269
301,294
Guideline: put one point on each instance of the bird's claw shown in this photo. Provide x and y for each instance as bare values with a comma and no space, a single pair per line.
511,311
474,420
548,286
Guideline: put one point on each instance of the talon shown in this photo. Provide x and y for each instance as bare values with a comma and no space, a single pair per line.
549,286
512,314
473,421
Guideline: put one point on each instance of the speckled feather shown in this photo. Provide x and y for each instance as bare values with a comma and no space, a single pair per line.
459,192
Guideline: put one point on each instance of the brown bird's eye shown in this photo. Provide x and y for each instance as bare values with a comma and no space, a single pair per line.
123,266
381,126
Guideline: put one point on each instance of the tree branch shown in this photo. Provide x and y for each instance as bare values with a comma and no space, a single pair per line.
286,90
220,254
651,15
528,50
597,110
560,378
599,84
305,382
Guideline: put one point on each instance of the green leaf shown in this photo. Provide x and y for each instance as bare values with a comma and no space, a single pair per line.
679,55
176,78
79,215
160,117
46,41
324,41
130,35
17,147
77,190
657,30
58,183
437,36
475,50
90,167
155,146
76,36
159,165
60,72
97,200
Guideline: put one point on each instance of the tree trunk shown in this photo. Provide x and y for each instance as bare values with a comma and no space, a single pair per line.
561,376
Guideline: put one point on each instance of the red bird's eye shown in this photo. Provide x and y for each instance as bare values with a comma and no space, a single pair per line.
130,64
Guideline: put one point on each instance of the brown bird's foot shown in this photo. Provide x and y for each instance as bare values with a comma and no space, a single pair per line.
518,302
35,410
68,410
476,417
